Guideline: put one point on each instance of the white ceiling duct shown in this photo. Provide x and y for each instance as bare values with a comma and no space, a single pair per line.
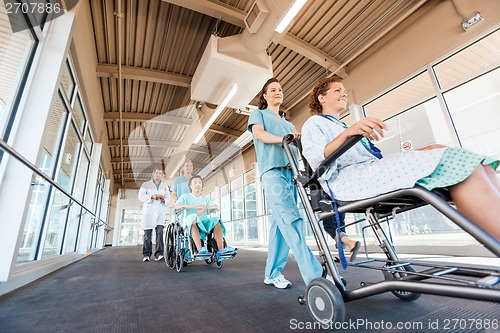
240,59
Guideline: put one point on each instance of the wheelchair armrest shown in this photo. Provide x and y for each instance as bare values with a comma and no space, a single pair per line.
336,154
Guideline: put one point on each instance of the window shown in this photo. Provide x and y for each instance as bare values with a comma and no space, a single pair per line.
478,58
456,102
474,109
68,83
69,160
16,54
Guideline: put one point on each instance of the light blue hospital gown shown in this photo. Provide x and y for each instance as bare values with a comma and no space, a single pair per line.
205,223
357,174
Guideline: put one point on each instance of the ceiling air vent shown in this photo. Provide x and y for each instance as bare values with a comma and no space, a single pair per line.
256,16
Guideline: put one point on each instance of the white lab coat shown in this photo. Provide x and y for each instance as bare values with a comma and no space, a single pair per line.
153,211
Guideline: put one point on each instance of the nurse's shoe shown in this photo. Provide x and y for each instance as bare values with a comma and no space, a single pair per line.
279,282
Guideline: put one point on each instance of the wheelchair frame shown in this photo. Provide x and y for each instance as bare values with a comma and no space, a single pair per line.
178,243
400,277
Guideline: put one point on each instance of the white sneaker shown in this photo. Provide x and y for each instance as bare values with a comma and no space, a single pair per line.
145,259
279,282
160,257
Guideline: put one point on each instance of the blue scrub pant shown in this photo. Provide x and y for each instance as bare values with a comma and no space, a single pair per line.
285,231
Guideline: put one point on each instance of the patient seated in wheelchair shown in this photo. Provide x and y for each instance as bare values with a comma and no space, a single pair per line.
361,172
196,208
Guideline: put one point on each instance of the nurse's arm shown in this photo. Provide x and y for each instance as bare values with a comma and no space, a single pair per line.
262,135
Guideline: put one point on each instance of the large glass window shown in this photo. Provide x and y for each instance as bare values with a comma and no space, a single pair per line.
56,225
225,208
79,116
130,233
419,126
402,97
73,228
69,160
478,58
237,204
53,134
16,52
456,102
68,81
80,187
474,108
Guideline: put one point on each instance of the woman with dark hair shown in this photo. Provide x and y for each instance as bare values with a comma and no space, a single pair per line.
361,172
268,127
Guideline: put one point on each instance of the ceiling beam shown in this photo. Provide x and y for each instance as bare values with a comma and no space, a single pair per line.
142,142
143,74
204,150
312,53
224,130
146,160
147,117
220,10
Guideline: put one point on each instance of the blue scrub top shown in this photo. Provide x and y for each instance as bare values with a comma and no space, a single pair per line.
180,186
269,155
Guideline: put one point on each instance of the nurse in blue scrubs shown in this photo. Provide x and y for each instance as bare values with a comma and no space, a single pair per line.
268,127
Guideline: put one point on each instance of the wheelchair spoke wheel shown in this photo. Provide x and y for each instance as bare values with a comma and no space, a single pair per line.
170,255
401,294
324,302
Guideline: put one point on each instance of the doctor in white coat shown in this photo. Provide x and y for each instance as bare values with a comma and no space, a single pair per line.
155,195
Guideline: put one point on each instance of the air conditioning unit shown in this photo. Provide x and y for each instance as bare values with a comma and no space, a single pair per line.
256,16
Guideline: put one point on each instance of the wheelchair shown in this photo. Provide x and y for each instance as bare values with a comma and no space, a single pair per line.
326,300
180,250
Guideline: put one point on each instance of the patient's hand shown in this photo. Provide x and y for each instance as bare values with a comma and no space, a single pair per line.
371,128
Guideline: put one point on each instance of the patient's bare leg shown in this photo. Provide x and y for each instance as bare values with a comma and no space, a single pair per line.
478,198
195,235
218,236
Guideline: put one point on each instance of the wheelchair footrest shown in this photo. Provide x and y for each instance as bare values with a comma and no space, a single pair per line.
228,255
203,256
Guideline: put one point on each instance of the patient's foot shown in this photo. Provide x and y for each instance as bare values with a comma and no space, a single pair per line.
354,250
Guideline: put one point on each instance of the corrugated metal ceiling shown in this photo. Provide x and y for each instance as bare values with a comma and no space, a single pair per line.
162,43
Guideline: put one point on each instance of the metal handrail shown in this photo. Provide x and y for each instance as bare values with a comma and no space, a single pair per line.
11,151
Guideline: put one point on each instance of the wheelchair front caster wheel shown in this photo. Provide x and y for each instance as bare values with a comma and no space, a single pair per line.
301,300
219,264
324,302
398,275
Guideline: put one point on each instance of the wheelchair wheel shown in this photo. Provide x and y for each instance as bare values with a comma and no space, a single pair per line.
170,247
324,302
219,264
401,294
179,261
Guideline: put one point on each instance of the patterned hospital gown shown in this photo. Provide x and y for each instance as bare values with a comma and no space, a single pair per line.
358,174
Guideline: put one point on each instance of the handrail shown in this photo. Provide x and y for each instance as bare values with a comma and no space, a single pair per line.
11,151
